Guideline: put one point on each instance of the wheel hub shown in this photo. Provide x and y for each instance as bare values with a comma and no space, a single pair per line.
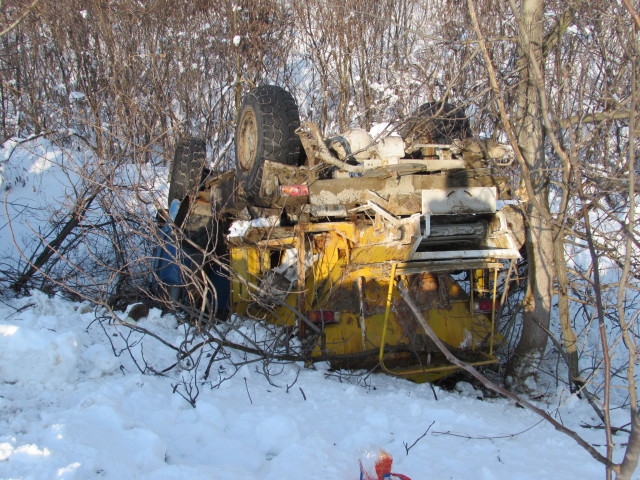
248,140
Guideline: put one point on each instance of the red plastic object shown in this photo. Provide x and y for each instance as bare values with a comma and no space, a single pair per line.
294,190
378,467
383,465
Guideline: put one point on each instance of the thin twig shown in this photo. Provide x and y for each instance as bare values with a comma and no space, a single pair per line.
408,447
246,386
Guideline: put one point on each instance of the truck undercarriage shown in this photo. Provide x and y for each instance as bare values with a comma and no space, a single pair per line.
358,219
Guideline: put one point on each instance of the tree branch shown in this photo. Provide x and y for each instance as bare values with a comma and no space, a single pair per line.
496,388
19,19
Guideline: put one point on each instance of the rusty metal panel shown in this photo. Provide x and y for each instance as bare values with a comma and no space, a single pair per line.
399,195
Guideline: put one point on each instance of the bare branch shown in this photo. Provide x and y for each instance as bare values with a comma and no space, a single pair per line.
19,19
496,388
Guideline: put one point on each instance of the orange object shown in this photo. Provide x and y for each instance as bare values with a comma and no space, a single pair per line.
378,467
383,465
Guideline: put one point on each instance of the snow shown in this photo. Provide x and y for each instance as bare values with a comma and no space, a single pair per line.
383,129
75,403
77,96
240,227
35,176
71,409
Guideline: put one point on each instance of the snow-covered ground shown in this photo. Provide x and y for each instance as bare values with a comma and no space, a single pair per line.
74,404
71,409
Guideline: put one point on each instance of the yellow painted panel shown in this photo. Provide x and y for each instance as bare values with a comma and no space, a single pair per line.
349,273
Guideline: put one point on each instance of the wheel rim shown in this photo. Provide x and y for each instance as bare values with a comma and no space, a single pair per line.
248,140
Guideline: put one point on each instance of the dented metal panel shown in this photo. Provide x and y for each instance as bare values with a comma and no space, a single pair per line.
459,201
344,268
399,195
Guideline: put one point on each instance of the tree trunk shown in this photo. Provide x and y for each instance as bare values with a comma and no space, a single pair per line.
568,334
523,366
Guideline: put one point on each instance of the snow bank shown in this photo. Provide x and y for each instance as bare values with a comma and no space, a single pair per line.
71,409
37,358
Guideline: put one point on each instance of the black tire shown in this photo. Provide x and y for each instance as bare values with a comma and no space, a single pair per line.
265,130
188,168
436,122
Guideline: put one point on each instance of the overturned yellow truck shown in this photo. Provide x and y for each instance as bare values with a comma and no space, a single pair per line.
321,232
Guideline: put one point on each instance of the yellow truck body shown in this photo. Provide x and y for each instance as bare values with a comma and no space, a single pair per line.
362,217
334,284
